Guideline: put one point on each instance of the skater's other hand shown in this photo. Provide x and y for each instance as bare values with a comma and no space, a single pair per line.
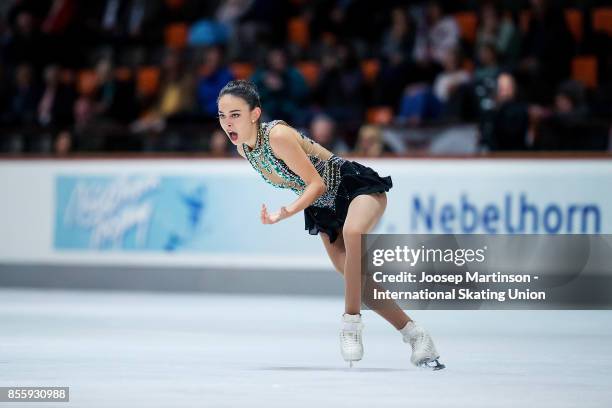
273,218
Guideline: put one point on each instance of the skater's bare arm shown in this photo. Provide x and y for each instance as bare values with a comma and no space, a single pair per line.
286,147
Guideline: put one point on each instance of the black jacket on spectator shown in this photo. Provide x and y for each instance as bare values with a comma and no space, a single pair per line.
549,41
572,131
508,127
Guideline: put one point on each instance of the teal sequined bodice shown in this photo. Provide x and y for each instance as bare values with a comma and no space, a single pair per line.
276,172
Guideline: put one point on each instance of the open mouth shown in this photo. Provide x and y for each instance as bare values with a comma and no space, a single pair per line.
232,135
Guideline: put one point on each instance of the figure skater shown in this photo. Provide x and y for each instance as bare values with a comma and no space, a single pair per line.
341,200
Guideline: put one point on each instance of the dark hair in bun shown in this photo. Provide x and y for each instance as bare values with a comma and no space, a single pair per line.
242,89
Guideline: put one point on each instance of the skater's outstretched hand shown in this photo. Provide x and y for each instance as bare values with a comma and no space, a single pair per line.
273,218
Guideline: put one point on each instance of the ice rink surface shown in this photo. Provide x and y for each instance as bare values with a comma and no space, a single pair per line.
130,349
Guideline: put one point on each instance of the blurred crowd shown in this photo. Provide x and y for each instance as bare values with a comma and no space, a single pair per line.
358,77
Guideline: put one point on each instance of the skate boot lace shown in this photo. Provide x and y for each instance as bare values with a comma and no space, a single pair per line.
351,340
424,342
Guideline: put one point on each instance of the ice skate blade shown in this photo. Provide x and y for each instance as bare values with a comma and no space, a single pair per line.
433,365
351,362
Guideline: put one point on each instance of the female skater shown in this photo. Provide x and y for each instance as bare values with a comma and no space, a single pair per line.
341,200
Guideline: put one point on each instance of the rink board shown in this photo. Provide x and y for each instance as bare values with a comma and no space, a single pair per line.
205,213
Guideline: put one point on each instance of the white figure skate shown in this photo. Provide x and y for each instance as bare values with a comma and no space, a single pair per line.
424,353
351,345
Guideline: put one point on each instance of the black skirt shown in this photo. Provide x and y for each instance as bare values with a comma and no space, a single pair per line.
356,179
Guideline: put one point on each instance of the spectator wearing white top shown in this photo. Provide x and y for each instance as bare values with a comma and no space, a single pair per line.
437,34
452,77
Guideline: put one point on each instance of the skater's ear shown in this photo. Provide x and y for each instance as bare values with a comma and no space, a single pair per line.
255,114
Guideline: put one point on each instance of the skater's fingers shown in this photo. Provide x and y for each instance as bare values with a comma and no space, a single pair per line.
264,214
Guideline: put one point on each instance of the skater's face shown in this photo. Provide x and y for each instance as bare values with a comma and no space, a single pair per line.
237,119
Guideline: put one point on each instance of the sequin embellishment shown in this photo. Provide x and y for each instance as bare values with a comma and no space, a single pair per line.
263,160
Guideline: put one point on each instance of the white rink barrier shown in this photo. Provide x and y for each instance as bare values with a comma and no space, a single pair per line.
205,212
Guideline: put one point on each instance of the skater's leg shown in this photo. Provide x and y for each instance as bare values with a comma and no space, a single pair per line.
386,308
340,253
363,214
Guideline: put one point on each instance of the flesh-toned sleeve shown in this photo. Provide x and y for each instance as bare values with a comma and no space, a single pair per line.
285,145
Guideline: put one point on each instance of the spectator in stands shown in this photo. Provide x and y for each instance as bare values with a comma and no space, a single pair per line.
397,43
176,96
396,48
62,37
229,12
415,76
252,22
282,88
567,126
323,131
418,104
116,94
25,45
421,102
369,141
323,18
117,21
453,76
437,34
484,84
499,32
101,112
90,137
214,74
354,21
56,102
507,125
107,87
63,143
547,50
23,100
341,89
488,63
